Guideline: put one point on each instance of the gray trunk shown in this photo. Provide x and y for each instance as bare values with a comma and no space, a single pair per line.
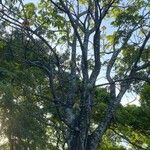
76,143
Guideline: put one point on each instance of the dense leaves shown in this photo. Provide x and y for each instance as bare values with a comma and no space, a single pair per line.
64,69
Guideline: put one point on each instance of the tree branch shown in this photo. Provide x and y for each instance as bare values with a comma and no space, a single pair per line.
128,140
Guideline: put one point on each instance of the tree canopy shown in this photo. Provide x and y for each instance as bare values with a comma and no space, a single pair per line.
65,67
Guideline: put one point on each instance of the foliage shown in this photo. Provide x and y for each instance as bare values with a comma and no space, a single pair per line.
51,57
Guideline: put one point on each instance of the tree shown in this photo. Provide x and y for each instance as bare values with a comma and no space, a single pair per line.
83,38
21,116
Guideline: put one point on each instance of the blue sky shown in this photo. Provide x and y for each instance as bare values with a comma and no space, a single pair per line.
33,1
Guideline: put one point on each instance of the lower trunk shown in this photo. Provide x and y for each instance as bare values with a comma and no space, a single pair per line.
75,143
80,141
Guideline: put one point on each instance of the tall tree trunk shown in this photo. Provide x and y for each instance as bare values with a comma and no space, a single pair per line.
78,136
77,144
76,141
